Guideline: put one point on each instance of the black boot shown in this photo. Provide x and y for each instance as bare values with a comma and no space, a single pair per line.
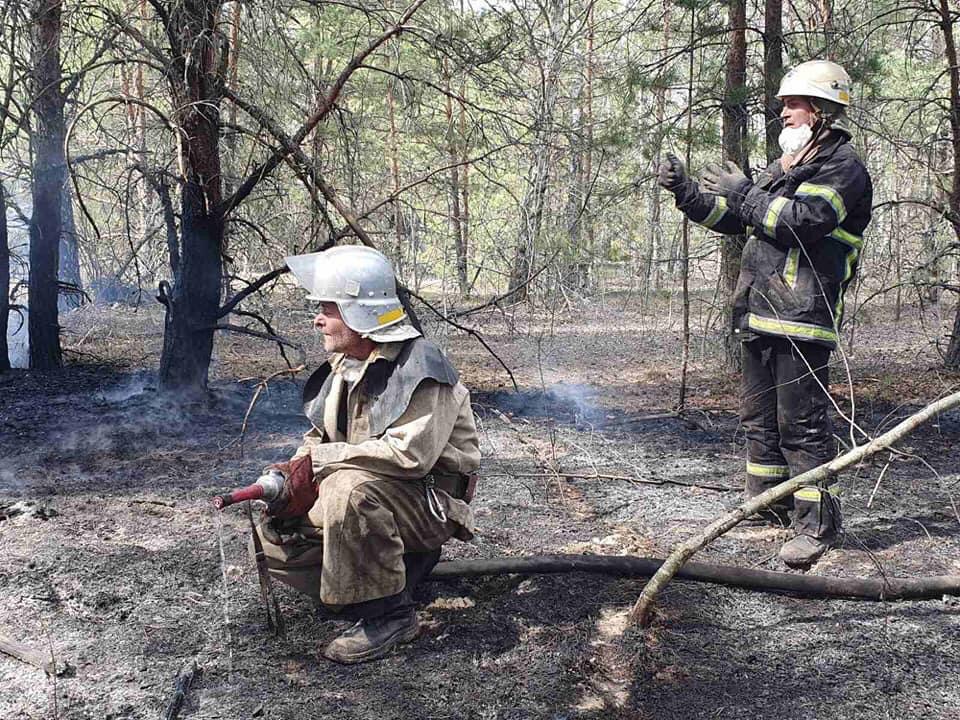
372,639
385,622
818,525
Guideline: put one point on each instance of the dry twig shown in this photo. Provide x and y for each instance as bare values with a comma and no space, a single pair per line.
261,386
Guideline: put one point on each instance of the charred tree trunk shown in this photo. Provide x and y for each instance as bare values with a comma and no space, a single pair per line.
735,117
772,73
952,359
4,283
49,176
193,301
193,298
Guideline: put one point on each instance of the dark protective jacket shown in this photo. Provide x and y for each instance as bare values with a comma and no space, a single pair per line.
806,235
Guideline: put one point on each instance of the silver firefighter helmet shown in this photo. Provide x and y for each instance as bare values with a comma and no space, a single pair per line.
361,282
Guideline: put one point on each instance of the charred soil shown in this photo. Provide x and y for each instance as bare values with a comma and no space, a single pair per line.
116,565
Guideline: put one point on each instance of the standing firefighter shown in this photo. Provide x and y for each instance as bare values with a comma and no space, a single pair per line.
805,215
389,458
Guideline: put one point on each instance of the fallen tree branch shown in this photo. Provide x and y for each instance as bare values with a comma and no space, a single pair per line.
675,561
887,588
26,654
591,475
180,690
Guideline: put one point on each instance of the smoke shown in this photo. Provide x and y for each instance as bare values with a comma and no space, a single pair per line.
568,403
18,340
129,388
97,439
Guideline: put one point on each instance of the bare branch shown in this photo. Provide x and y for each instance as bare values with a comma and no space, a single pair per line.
323,109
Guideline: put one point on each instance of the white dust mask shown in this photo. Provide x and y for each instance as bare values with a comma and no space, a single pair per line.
793,139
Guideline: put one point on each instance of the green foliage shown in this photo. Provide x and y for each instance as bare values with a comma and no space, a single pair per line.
557,121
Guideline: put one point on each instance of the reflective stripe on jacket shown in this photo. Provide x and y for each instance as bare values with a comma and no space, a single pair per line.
806,236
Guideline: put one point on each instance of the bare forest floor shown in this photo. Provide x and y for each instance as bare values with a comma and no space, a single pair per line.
111,552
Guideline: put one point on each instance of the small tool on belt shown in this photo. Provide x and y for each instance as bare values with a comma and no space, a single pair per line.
433,500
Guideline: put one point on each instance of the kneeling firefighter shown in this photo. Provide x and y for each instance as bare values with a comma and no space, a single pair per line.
388,463
805,215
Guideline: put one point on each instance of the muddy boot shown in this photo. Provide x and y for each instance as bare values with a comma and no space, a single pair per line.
817,524
373,638
777,515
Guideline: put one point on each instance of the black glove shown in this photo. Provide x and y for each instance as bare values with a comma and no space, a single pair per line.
727,181
671,173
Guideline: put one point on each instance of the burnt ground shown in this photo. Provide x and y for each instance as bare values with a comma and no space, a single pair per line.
111,553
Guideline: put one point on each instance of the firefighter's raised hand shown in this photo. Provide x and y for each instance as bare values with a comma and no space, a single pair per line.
671,173
726,180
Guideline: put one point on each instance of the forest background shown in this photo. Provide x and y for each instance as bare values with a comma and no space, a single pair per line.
504,155
500,150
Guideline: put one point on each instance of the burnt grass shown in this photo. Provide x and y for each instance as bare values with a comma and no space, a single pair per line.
112,552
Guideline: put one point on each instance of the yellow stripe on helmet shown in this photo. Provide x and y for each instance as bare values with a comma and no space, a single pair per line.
390,316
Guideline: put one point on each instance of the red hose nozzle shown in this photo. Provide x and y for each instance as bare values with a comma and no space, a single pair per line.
267,487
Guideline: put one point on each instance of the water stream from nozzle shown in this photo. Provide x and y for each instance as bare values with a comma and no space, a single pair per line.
228,630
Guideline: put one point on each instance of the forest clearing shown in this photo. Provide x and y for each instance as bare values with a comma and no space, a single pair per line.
113,564
674,286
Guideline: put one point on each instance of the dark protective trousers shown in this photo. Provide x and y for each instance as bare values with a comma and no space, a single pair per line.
784,411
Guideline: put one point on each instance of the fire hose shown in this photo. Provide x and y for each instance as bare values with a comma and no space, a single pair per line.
268,487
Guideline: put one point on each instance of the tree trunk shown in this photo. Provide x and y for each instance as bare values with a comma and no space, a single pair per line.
465,182
577,267
193,299
952,359
538,173
587,219
453,155
651,265
69,253
531,220
4,283
49,176
735,117
394,150
772,73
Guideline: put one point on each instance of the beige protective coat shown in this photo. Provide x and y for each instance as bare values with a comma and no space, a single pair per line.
372,505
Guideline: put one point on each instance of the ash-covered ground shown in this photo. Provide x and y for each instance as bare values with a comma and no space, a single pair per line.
115,563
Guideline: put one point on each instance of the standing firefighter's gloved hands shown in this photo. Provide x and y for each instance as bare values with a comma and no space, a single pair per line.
671,174
727,181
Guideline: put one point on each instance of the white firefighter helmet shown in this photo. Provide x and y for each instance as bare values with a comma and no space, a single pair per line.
817,79
361,282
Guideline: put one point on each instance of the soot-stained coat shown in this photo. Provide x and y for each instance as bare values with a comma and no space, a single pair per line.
379,427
